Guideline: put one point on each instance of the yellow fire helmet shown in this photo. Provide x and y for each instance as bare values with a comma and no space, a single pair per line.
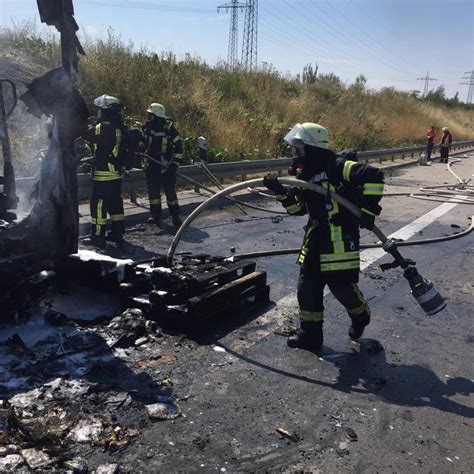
158,110
308,133
107,102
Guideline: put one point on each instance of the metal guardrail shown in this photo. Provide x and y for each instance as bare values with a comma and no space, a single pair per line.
136,179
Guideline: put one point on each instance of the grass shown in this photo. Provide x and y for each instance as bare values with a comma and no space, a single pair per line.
243,114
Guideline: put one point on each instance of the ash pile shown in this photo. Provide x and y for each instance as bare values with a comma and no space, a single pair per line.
92,359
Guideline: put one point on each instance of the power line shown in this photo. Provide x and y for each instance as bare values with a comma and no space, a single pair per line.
369,40
382,59
233,6
470,83
427,80
145,6
294,25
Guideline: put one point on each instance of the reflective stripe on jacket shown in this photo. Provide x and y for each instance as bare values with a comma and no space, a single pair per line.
107,140
162,144
332,234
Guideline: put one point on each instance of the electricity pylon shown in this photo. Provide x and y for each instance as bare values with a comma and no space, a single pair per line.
249,44
427,80
233,6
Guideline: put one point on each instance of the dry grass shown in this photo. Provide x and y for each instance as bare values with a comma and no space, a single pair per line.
245,114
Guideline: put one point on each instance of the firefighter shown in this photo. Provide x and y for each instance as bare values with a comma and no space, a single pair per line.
107,138
430,137
445,144
163,143
329,254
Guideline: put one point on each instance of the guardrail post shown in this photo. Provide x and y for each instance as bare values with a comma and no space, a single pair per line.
380,159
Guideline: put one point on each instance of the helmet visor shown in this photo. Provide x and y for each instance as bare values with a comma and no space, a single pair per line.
296,136
299,136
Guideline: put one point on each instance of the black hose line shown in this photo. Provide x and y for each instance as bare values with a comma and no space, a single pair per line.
259,182
294,251
209,190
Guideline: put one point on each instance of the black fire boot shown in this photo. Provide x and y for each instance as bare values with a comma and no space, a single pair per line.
95,241
155,220
309,337
176,221
116,238
358,325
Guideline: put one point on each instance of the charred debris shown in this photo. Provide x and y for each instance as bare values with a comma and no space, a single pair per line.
84,336
92,367
43,240
51,230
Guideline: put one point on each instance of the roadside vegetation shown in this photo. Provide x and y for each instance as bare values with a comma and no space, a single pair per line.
245,114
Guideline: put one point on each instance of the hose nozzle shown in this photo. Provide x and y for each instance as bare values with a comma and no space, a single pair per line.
424,292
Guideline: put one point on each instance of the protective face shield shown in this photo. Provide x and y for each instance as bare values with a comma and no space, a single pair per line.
107,106
107,102
310,134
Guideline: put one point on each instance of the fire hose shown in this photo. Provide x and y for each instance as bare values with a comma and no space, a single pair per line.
423,290
461,192
294,251
211,191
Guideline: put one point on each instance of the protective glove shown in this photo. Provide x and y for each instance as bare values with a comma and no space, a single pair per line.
270,181
367,220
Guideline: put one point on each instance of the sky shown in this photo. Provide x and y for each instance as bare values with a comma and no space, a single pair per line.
391,42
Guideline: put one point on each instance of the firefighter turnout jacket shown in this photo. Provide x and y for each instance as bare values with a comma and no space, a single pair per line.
108,143
332,232
162,143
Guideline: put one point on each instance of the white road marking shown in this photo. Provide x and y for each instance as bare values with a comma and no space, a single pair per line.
289,303
370,256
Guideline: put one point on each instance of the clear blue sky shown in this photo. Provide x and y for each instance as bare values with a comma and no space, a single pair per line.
391,42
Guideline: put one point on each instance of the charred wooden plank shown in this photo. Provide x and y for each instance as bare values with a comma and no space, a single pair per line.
226,295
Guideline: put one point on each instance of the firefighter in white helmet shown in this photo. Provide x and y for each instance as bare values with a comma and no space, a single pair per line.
108,143
330,251
163,143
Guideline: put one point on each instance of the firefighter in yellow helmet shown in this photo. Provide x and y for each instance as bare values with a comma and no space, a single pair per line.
108,143
329,254
163,143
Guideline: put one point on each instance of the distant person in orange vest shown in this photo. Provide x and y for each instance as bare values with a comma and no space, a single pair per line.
430,137
445,144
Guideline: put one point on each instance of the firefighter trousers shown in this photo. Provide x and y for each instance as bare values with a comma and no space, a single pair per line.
155,180
311,284
107,199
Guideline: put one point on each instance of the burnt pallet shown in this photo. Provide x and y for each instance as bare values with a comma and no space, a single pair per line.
228,295
227,303
196,289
